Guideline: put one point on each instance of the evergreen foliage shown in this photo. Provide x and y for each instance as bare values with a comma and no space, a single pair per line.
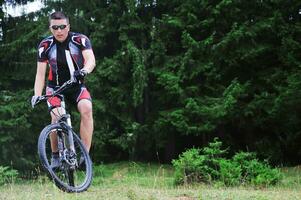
210,164
170,75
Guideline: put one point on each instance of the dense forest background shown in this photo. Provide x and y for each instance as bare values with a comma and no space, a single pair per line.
170,75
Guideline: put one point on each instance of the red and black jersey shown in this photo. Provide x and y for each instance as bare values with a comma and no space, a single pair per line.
63,57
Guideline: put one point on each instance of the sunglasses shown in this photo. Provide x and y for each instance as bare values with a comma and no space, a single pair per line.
56,27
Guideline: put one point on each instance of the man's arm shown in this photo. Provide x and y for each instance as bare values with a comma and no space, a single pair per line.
89,60
40,78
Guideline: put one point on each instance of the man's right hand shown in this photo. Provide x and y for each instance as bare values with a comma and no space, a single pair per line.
34,100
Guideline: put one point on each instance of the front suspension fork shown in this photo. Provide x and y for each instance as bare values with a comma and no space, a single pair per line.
69,141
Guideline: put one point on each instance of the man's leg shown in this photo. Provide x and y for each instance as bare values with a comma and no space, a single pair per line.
55,162
54,104
86,124
53,136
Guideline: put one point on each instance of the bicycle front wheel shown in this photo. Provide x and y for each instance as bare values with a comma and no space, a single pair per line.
74,172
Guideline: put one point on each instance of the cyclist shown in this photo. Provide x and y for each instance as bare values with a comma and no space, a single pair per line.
69,56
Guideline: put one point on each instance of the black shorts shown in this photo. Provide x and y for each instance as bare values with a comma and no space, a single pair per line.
72,95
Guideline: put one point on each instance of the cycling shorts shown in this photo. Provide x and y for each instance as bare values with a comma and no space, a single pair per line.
72,95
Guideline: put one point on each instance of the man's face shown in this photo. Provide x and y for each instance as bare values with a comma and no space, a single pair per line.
59,28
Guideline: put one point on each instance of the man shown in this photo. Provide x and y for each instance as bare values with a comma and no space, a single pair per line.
69,56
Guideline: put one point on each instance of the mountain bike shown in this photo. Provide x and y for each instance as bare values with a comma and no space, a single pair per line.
74,173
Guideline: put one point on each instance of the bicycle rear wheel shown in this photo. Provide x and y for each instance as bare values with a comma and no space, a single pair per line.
68,176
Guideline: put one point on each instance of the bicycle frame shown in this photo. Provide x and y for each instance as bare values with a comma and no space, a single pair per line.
64,120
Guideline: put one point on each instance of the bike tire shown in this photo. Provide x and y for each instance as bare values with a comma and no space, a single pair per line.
44,158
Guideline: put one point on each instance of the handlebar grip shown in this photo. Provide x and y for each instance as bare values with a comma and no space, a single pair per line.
40,99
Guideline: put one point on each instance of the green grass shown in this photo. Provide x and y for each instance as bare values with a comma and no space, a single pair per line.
137,181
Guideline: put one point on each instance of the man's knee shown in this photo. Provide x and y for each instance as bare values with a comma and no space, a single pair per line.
55,113
85,108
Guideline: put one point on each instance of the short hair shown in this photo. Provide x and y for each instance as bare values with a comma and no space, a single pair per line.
58,15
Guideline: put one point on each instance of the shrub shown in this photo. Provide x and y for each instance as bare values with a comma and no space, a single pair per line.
230,173
255,171
199,165
188,167
209,164
213,155
262,174
7,175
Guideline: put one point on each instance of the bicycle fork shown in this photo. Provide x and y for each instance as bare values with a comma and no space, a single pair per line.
70,134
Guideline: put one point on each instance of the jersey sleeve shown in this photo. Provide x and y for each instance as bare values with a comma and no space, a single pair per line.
85,43
42,57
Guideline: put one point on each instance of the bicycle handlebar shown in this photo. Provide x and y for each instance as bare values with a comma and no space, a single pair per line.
58,91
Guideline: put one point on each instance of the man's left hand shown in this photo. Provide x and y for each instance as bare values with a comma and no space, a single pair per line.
80,74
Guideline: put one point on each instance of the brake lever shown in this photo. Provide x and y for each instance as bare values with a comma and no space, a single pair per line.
39,100
42,98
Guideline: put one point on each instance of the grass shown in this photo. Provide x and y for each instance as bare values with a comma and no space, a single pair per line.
137,181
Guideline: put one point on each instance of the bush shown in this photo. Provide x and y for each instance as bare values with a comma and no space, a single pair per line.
262,173
230,173
209,164
255,171
188,167
7,175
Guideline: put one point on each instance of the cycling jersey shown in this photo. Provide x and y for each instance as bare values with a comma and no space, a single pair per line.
63,57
